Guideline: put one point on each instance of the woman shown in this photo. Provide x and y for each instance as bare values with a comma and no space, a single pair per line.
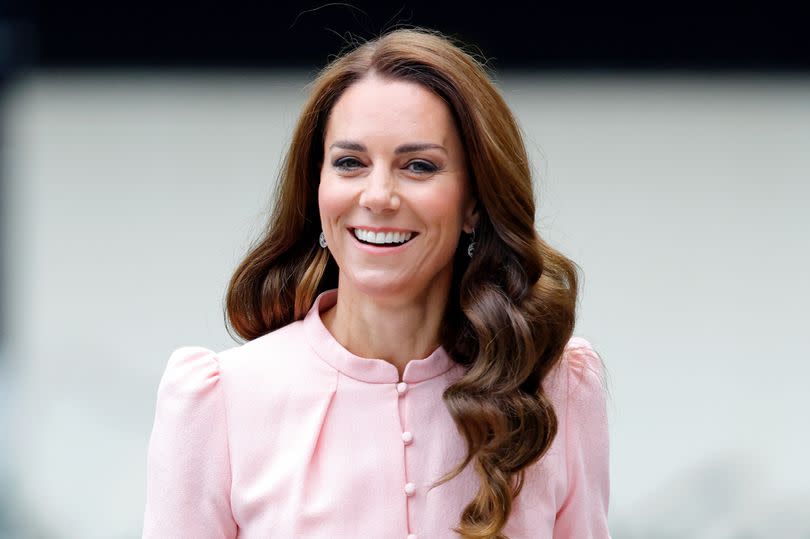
410,369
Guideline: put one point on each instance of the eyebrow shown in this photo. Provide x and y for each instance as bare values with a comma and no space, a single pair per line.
405,148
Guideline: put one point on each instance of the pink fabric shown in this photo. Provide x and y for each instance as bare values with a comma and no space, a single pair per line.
292,436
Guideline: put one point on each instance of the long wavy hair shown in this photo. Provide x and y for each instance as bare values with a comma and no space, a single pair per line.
511,307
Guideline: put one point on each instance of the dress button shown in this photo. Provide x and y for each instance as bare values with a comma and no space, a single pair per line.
407,437
402,387
410,489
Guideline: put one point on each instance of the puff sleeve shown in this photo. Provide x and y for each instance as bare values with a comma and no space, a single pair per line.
188,462
584,513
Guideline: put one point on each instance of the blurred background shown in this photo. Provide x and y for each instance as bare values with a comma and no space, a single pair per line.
140,143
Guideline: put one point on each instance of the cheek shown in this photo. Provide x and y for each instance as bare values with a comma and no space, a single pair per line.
331,199
443,205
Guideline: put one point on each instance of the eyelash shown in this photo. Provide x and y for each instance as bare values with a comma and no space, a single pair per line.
431,168
342,165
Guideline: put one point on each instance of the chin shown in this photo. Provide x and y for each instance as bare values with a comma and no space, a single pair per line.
381,284
386,286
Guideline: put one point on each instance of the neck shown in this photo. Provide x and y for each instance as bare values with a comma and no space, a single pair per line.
396,330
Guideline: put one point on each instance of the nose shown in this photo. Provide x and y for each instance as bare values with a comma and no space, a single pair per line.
379,193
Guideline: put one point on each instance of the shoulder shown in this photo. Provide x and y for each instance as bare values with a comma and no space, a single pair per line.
577,384
268,350
193,369
190,370
582,361
579,360
585,379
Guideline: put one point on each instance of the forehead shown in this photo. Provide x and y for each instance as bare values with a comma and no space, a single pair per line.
388,109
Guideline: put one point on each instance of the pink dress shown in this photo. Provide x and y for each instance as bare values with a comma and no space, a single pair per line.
292,436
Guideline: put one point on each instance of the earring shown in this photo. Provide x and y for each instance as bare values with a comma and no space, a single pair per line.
471,246
322,240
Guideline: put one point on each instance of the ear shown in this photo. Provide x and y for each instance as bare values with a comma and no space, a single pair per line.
470,216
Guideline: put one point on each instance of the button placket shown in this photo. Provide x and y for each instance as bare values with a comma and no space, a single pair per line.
410,487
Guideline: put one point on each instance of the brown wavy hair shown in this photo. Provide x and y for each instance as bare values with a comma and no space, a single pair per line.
511,307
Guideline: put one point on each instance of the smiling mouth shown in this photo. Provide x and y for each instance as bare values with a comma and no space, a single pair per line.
382,239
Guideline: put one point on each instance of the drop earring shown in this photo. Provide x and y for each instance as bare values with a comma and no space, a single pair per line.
471,246
322,241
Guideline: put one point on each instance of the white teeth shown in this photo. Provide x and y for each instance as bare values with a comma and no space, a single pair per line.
381,238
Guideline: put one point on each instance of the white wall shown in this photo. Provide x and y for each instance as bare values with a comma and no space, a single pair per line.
685,201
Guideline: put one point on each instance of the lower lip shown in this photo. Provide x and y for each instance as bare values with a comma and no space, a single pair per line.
374,249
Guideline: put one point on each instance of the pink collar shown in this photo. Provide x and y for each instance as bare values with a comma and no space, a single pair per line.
366,369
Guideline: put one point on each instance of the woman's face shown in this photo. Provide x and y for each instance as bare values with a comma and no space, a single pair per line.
394,195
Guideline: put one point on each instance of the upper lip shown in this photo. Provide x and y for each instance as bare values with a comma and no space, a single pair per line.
381,229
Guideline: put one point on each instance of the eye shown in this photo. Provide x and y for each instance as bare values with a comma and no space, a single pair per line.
422,167
347,163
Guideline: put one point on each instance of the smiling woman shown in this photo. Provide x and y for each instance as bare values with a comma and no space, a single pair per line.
393,163
410,369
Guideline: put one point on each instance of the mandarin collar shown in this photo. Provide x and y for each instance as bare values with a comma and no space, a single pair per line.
366,369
